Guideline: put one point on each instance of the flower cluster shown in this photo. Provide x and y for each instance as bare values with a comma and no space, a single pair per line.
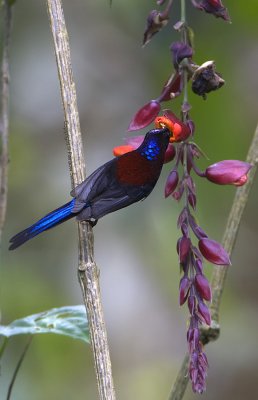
194,245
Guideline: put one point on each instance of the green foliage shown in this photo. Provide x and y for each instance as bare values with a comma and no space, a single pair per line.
68,320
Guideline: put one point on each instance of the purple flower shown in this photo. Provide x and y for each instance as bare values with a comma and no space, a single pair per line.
155,22
214,7
180,50
204,312
184,287
228,172
203,287
214,252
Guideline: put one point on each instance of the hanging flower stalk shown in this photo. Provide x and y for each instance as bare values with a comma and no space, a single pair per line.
194,246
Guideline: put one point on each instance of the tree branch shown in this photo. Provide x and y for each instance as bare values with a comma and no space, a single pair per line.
87,271
220,273
4,117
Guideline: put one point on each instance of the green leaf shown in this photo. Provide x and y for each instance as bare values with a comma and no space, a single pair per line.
69,321
11,2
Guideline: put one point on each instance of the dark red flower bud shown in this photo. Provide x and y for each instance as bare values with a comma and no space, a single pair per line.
214,252
184,287
145,116
183,248
204,312
171,183
203,287
180,50
214,7
155,21
228,172
205,79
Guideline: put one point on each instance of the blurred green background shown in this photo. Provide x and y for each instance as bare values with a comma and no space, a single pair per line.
135,248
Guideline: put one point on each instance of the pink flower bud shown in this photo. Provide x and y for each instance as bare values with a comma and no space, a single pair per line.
204,312
203,287
214,252
184,287
145,116
171,183
228,172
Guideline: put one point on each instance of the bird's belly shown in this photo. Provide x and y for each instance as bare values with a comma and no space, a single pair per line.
137,170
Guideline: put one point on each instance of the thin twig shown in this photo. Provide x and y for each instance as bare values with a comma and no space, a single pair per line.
18,366
220,273
88,271
4,116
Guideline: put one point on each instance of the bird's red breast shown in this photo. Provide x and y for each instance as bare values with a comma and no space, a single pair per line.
134,169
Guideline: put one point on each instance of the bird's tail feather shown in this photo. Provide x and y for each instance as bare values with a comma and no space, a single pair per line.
52,219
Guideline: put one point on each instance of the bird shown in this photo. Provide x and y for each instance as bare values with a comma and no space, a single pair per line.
120,182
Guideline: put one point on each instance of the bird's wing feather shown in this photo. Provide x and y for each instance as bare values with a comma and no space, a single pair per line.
113,199
92,186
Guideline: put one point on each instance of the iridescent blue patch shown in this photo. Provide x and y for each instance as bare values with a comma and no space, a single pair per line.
151,151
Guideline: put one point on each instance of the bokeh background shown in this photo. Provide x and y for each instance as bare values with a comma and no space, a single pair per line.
135,248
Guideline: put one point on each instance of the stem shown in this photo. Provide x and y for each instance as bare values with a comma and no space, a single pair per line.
4,117
87,271
18,366
183,13
184,65
3,346
231,231
180,384
220,273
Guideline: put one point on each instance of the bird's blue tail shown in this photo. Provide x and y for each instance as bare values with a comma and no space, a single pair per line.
52,219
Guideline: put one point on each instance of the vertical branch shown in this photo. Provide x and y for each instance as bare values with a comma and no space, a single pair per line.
219,274
4,116
88,271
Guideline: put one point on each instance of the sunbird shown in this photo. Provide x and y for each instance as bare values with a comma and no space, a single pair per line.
122,181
